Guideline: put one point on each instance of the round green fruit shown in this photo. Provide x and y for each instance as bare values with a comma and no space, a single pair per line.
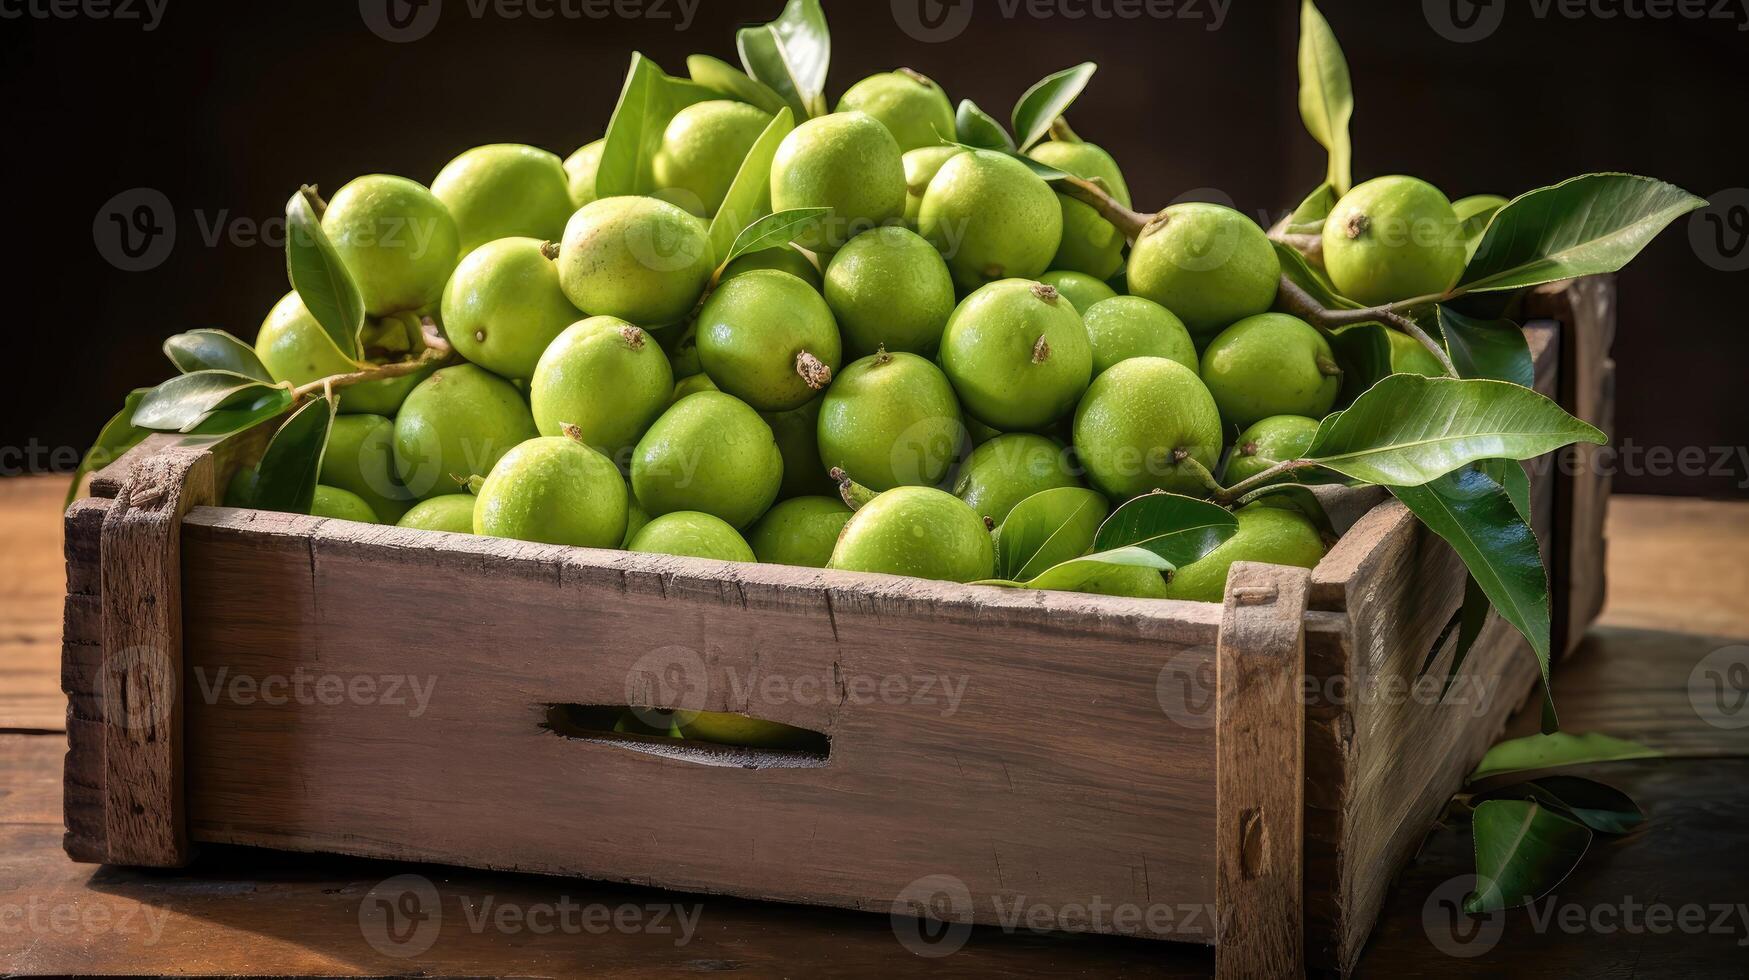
360,459
1079,288
1393,238
1129,326
343,505
1269,441
1271,364
917,531
703,147
991,218
693,535
712,453
769,339
607,379
1266,534
456,424
891,420
846,161
783,258
921,166
580,170
800,531
1142,424
397,239
1010,468
453,512
913,108
680,343
553,490
294,348
1410,356
727,728
503,306
1017,354
1090,243
506,190
637,258
804,474
889,288
1210,265
635,518
693,385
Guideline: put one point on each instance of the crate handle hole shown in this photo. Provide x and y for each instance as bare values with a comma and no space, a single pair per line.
671,735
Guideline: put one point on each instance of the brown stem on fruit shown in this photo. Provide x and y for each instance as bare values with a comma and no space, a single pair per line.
633,336
550,250
1300,303
852,493
1046,292
573,432
1061,132
1131,223
318,203
1041,350
813,371
881,355
1328,367
1248,449
916,76
1201,472
436,355
989,523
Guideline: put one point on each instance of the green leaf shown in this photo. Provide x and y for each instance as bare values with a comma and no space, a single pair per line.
647,103
1177,528
244,415
790,55
1509,473
286,478
725,79
1046,529
749,196
1312,280
1473,214
1047,99
1472,618
1363,351
1326,94
1523,851
117,436
1408,430
1534,753
1494,349
1309,217
183,402
1603,808
977,130
1079,574
321,279
1298,497
774,230
1588,225
201,350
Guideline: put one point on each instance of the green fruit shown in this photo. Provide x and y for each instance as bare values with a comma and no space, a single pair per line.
918,531
580,172
342,505
458,423
1017,354
732,729
635,518
680,343
693,385
800,531
978,432
397,239
1142,423
703,147
888,287
991,218
637,258
1129,326
1090,243
1079,288
607,379
1210,265
769,339
506,190
691,534
796,434
784,258
553,490
503,306
921,166
1010,468
1267,442
1271,364
1410,356
453,512
712,453
913,108
294,348
1393,238
240,490
1266,534
891,420
360,459
846,161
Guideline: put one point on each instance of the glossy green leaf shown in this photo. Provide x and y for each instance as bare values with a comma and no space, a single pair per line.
749,196
1312,280
977,130
1047,99
774,230
244,414
1408,430
1473,214
1523,851
790,55
1046,529
1603,808
321,279
180,404
1363,351
725,79
286,478
1472,617
647,103
202,350
1494,349
1326,94
1308,217
1592,224
117,436
1078,574
1177,528
1535,753
1509,473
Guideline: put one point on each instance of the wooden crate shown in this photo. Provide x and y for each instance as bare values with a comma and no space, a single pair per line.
1249,774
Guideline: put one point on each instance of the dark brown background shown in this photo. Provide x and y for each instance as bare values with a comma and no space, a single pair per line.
226,107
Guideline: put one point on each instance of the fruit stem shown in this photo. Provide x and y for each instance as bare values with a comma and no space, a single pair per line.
854,494
437,353
550,251
318,203
1230,494
813,371
1200,471
1041,350
1087,192
1301,304
917,76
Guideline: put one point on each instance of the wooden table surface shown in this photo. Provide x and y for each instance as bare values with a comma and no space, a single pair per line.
1679,591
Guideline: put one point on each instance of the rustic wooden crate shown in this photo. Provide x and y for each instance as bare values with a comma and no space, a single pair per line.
1250,774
